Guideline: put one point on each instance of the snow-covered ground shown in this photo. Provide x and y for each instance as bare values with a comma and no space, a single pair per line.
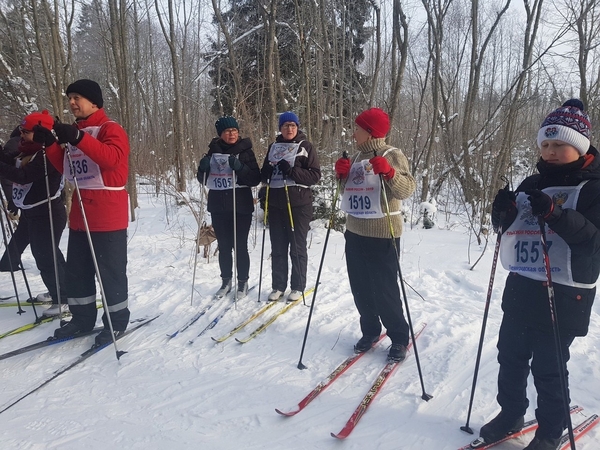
167,394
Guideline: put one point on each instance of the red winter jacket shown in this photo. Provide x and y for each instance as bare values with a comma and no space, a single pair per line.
105,210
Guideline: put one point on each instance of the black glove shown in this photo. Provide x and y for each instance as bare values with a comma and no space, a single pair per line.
43,135
203,168
204,165
267,171
284,167
504,209
67,133
541,203
235,163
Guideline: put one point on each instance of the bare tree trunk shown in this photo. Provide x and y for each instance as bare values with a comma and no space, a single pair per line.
178,119
307,126
270,73
399,45
119,39
377,67
54,56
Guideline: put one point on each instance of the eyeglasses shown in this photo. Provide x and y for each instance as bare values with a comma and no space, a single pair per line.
289,125
231,130
24,130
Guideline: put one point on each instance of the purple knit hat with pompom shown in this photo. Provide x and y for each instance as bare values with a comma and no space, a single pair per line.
569,124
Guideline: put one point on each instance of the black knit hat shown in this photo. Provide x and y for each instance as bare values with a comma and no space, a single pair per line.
225,122
88,89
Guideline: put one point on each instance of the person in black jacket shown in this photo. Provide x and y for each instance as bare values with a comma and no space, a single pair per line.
291,162
28,174
11,259
566,195
228,154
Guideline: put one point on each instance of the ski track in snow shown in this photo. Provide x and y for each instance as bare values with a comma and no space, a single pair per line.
167,394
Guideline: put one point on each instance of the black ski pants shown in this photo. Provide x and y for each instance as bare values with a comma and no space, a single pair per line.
282,239
110,248
519,344
223,226
373,275
41,248
16,246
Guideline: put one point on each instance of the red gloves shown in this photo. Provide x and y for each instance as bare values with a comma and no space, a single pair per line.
382,166
342,168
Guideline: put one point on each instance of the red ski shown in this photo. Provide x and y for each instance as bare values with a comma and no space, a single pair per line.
528,427
383,376
579,431
326,382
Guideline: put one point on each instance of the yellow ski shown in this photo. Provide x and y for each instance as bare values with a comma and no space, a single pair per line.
245,322
273,318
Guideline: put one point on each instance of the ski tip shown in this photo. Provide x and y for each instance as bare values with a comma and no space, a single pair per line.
338,436
282,413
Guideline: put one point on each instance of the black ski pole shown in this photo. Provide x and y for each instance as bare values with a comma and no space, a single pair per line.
235,255
424,395
12,274
466,427
20,310
262,248
52,237
312,304
557,343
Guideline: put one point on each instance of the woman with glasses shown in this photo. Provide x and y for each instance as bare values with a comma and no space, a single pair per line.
28,172
229,154
290,168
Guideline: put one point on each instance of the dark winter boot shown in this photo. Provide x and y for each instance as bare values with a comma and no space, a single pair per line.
70,329
104,338
543,444
242,289
365,343
501,426
397,353
224,289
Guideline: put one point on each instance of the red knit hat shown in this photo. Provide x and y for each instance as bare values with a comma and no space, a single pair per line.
44,119
375,121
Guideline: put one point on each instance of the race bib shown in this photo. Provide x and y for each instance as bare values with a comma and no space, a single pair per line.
521,246
220,177
362,192
279,151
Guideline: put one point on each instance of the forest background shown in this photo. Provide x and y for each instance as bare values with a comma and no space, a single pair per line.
466,82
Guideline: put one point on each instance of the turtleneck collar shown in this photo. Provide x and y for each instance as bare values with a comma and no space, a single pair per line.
373,145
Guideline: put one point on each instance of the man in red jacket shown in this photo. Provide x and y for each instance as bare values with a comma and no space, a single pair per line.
96,154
